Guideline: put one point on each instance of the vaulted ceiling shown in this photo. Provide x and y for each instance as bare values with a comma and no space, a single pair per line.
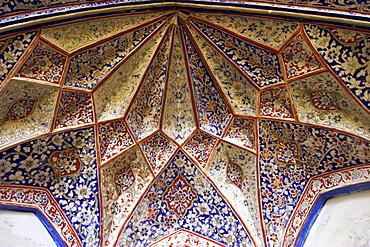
181,123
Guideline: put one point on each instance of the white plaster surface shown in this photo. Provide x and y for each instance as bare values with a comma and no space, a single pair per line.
344,221
23,229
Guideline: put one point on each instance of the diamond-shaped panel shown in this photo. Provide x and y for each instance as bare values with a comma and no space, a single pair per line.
158,149
200,147
241,132
299,59
44,63
74,108
114,138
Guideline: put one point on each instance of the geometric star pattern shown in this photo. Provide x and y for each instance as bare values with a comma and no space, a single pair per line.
162,124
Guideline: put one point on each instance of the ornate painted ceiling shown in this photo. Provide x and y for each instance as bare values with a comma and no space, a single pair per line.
181,125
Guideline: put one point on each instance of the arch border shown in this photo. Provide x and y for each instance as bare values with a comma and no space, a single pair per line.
42,203
317,191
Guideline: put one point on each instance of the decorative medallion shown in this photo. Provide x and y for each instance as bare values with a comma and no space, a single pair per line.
235,173
323,101
65,162
124,179
20,109
179,196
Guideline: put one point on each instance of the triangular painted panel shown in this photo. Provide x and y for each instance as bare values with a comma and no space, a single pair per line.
242,96
75,36
88,68
262,66
213,112
145,113
158,149
268,32
208,214
178,116
123,181
113,97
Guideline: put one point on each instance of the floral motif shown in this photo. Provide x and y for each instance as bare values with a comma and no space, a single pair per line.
158,149
275,102
114,138
185,238
123,181
65,164
113,97
200,147
287,152
299,59
178,115
241,94
347,54
20,109
144,114
282,183
321,99
12,50
179,196
272,33
26,110
235,173
44,202
241,132
74,108
260,65
87,68
213,112
75,36
44,63
204,217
